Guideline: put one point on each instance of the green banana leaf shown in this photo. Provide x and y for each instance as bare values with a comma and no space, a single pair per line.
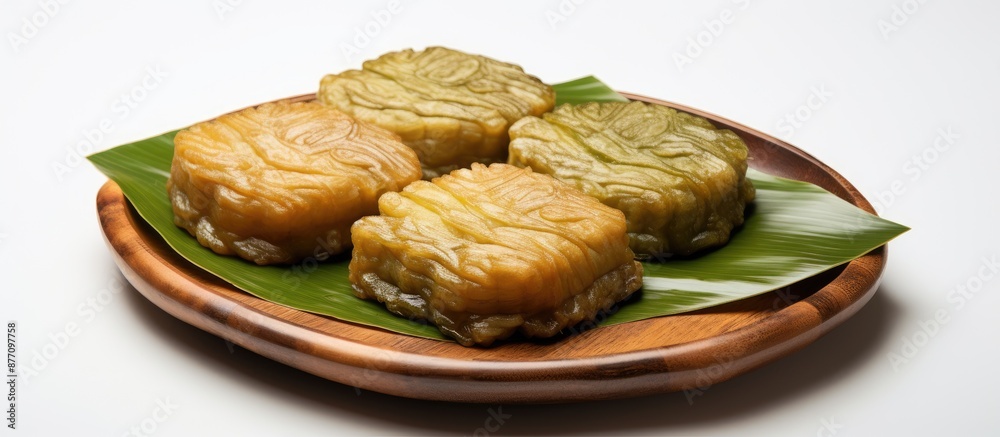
795,230
585,89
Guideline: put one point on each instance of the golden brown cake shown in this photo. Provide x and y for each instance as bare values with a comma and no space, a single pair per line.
283,181
453,108
487,251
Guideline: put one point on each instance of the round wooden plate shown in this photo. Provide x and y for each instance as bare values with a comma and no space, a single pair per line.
638,358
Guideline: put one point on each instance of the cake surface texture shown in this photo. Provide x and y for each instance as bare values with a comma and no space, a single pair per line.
680,181
451,107
487,251
283,181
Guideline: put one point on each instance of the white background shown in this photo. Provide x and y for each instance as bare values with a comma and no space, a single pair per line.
892,91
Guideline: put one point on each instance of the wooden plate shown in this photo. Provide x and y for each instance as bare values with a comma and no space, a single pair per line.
651,356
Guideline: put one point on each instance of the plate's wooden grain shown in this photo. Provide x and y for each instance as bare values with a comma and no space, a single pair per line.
650,356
